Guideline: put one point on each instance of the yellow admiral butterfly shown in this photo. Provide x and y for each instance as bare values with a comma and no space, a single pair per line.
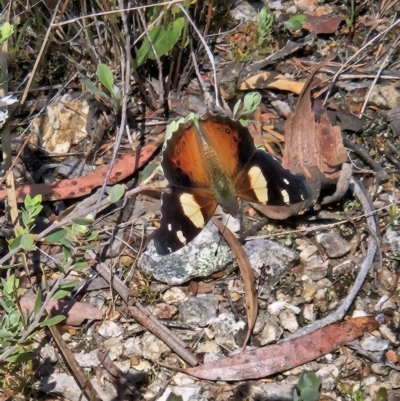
213,160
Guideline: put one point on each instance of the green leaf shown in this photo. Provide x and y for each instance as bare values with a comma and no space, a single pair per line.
295,23
236,108
52,321
92,236
6,30
83,222
14,318
163,41
106,77
148,171
27,241
80,265
6,335
92,88
116,193
252,101
64,290
6,305
55,236
310,394
38,302
24,357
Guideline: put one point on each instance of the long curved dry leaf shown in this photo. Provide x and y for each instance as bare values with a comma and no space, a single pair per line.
285,355
249,281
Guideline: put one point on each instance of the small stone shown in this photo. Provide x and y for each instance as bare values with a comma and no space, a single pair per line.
263,252
164,311
328,376
200,310
390,335
324,283
87,359
334,245
380,369
174,296
374,388
394,378
208,347
359,313
115,347
316,268
124,366
271,333
385,304
372,343
48,353
309,313
288,320
392,239
152,347
110,329
342,268
321,294
308,252
309,291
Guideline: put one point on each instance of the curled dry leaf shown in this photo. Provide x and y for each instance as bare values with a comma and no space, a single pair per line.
285,355
322,24
249,281
75,312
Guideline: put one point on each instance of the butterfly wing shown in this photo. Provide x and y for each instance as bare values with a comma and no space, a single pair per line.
189,204
231,141
183,216
264,180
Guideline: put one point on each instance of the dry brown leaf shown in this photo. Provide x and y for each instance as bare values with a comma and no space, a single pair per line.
249,281
322,24
274,80
285,355
313,147
75,312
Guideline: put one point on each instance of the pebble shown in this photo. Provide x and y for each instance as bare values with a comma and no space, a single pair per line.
174,295
316,268
380,369
288,320
199,311
328,376
385,304
271,333
110,329
372,343
309,313
334,244
394,378
309,291
263,252
308,252
389,335
115,347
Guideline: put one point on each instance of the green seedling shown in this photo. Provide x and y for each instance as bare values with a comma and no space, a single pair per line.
308,388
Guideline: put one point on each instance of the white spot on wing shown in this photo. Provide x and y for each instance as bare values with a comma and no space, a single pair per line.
192,210
181,237
285,195
169,227
286,181
259,184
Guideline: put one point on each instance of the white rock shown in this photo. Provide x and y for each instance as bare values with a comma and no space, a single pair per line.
110,329
372,343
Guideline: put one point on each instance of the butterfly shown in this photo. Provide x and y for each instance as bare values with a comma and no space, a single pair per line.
213,160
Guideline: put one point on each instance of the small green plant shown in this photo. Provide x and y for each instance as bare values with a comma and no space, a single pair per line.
250,103
164,39
295,23
24,238
265,21
354,393
350,20
111,93
308,388
394,214
6,30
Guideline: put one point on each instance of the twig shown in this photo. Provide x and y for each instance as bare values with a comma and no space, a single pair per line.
365,267
210,55
142,316
344,66
125,99
378,74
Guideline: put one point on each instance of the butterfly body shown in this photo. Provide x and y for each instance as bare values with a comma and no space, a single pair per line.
214,161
